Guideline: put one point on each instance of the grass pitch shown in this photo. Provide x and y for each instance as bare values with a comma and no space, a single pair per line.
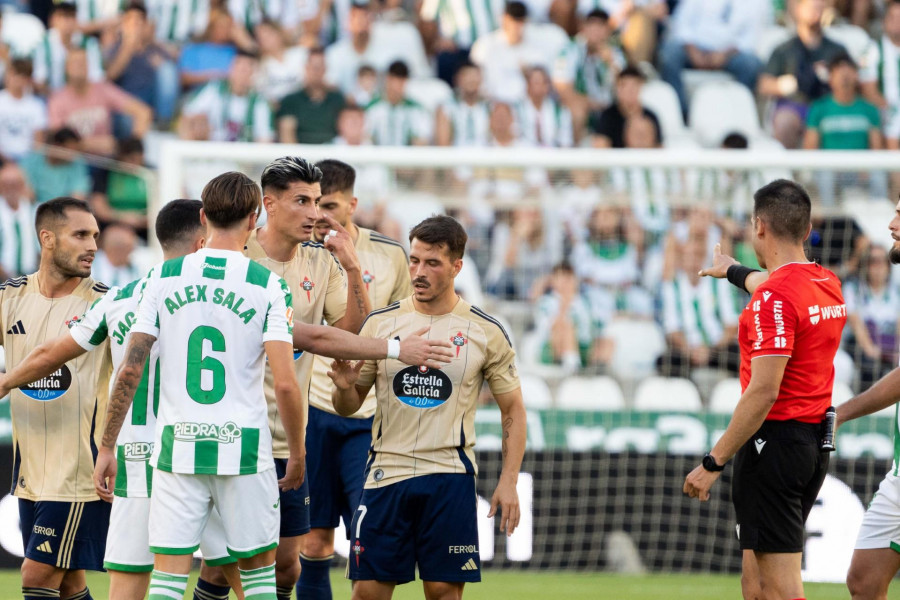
531,585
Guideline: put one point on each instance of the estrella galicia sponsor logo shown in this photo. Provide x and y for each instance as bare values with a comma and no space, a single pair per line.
137,451
207,432
297,354
420,387
50,387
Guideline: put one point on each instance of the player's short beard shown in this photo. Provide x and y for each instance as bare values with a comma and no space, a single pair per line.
894,254
67,265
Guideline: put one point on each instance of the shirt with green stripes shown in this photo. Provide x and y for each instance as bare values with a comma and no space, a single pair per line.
212,312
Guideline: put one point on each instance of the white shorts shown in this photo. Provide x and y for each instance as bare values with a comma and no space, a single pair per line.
181,506
128,543
880,526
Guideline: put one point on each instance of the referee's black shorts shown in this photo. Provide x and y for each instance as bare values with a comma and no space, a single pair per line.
777,477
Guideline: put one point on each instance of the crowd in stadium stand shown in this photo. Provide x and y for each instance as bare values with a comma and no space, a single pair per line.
479,73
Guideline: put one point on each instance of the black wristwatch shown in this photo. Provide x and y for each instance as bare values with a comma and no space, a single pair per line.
709,463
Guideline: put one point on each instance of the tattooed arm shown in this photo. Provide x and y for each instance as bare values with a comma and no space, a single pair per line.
358,304
512,415
127,379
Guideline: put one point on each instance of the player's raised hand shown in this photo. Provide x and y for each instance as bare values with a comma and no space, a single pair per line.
339,243
720,265
416,350
294,472
344,373
698,483
506,498
105,473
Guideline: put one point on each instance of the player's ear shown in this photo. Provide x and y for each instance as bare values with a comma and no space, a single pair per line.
269,204
47,239
457,266
252,221
203,218
808,231
354,202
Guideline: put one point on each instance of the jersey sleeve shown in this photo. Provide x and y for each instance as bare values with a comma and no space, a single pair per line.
500,364
775,322
369,370
93,330
279,323
148,306
336,293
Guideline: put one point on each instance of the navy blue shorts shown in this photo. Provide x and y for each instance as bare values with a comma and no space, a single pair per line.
294,505
429,521
340,446
67,535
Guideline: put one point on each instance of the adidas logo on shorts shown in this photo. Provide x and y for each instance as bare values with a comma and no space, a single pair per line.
469,566
45,547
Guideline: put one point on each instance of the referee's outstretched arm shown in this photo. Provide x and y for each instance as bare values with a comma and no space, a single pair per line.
751,278
884,393
751,411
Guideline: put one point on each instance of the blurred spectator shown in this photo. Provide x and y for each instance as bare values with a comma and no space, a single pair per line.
564,325
88,107
729,191
230,110
250,13
18,240
504,54
23,116
112,264
713,35
880,76
61,38
524,248
858,12
837,242
873,306
541,119
699,315
58,170
142,67
506,183
394,119
797,72
121,196
842,120
608,255
452,27
366,87
178,21
210,59
282,66
576,202
636,21
609,126
464,120
351,127
585,72
310,116
96,16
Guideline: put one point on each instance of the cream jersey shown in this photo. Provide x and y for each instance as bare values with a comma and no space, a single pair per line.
425,419
319,287
111,318
211,313
58,420
385,270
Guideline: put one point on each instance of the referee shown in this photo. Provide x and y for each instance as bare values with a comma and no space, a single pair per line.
789,334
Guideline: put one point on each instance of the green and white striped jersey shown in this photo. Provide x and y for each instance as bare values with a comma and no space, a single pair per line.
700,312
588,74
463,21
178,20
18,240
397,124
471,123
113,316
211,312
49,59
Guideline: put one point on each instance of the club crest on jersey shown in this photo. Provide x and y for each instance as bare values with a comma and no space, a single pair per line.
73,322
357,550
458,340
307,286
367,279
420,387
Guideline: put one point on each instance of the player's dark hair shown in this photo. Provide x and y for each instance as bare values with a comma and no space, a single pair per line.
518,11
735,141
398,68
177,223
53,212
599,14
229,198
337,176
785,208
282,172
441,230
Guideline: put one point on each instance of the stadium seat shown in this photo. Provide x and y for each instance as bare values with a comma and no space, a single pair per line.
769,39
535,392
725,396
637,346
660,97
721,107
430,92
853,38
402,40
590,393
694,79
22,32
665,394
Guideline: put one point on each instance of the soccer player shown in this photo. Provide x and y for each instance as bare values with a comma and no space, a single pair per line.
128,558
419,504
876,558
55,419
340,445
789,334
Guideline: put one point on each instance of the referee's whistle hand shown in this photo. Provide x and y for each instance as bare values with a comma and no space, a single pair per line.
105,474
698,483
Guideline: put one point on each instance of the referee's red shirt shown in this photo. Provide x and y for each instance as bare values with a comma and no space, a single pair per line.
800,313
